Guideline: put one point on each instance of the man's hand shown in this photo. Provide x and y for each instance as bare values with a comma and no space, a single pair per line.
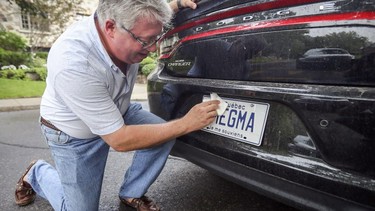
201,115
189,3
177,4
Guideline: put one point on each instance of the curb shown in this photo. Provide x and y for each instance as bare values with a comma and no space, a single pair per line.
18,108
6,105
19,104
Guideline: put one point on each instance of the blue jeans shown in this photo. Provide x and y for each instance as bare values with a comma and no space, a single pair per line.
75,183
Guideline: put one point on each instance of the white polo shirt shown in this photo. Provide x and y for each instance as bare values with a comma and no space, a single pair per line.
86,93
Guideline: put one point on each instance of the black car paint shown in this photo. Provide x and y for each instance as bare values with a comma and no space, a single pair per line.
334,109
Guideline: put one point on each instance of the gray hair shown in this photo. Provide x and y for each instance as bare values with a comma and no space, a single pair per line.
127,12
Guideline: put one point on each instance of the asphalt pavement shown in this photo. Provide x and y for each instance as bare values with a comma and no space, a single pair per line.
181,186
139,94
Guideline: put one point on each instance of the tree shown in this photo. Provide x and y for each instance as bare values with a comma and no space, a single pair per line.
47,18
350,41
26,6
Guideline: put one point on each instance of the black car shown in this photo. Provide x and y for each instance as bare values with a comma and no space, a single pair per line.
305,138
331,59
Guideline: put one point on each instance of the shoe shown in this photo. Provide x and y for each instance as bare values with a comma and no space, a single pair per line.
24,192
141,204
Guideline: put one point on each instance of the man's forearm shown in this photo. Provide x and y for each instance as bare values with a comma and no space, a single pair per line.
132,137
174,6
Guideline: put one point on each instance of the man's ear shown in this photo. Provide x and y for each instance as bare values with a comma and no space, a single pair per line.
109,28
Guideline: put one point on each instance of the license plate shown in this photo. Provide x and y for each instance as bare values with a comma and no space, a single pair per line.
244,121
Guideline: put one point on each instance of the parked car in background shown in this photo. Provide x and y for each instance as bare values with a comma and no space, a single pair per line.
331,59
305,138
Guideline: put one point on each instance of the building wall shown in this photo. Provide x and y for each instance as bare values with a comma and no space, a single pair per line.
10,15
11,20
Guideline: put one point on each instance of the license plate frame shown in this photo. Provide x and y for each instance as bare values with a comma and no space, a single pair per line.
249,123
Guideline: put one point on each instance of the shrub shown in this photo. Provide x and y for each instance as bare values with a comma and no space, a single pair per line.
13,58
42,55
148,68
42,72
146,62
11,41
13,74
38,62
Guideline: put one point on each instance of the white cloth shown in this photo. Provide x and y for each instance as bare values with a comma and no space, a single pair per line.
222,106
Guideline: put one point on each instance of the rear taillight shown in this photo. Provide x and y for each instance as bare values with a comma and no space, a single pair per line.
168,45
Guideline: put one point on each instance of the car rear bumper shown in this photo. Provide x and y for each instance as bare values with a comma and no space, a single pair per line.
280,189
284,166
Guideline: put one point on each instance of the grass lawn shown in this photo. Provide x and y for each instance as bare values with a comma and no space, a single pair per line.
21,89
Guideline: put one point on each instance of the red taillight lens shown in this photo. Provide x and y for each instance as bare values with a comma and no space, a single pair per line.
168,45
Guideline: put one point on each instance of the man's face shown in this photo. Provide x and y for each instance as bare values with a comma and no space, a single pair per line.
125,46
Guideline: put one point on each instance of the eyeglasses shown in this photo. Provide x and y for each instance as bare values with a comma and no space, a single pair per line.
144,44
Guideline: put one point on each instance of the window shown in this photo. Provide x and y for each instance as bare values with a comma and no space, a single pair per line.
25,21
31,22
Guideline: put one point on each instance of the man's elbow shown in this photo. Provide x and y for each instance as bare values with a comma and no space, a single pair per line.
119,147
117,143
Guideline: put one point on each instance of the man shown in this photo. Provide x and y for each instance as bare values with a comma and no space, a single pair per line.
86,109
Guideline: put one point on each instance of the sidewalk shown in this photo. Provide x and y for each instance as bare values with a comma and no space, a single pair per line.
139,94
